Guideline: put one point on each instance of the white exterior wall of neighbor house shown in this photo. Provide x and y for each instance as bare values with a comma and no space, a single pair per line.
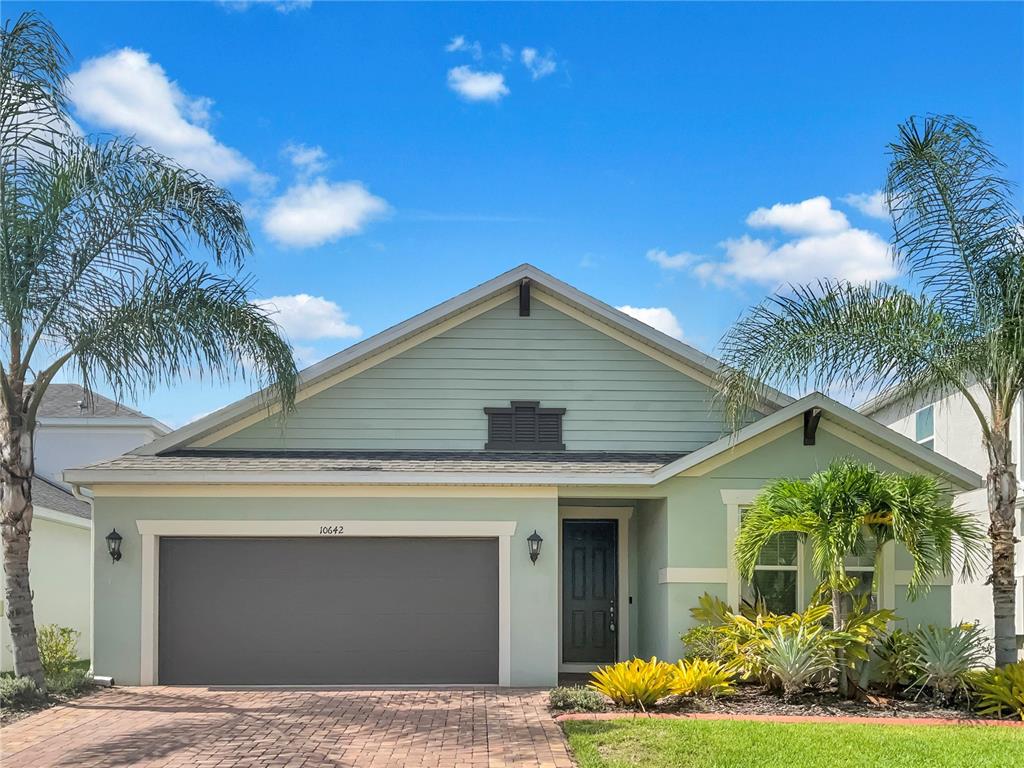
74,442
957,435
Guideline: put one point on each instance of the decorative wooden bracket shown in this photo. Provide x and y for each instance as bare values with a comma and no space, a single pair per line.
811,418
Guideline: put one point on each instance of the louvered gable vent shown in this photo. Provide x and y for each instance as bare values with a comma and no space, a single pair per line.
524,426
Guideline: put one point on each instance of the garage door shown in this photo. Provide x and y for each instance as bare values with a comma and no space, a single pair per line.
338,611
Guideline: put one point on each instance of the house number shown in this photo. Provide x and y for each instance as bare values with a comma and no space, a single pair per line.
331,530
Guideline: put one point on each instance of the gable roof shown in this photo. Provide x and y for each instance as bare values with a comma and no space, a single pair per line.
50,495
494,468
72,401
653,341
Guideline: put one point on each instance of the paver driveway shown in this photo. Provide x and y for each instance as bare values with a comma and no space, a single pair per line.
265,728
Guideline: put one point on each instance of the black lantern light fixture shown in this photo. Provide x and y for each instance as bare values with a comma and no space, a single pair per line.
114,545
534,541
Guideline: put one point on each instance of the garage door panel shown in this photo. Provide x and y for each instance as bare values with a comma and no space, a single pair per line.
328,611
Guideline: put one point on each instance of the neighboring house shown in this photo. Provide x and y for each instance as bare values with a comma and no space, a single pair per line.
948,425
388,531
73,428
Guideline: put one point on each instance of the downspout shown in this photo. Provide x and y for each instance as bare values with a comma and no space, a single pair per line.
76,491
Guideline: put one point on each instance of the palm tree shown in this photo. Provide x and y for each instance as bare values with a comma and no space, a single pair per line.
96,277
851,508
958,236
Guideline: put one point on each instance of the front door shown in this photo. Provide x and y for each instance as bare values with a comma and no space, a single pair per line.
590,591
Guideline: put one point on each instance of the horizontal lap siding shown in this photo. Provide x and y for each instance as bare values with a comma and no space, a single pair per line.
433,395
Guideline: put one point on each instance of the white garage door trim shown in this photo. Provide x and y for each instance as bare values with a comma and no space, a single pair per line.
152,530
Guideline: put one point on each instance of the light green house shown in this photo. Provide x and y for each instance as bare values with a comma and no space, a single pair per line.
517,482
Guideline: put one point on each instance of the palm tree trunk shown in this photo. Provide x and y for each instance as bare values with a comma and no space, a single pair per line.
838,620
1002,499
16,470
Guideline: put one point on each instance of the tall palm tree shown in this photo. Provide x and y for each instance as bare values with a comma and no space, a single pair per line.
96,277
959,239
851,508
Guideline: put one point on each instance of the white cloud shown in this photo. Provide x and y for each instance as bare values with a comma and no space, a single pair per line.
309,318
660,318
538,65
815,216
311,213
855,255
506,52
459,44
665,260
477,86
125,92
307,160
870,204
281,6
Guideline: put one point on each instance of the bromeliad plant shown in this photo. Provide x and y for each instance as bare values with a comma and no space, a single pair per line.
794,659
637,684
703,677
947,657
1000,691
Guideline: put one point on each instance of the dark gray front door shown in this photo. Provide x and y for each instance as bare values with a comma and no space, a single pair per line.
590,589
335,611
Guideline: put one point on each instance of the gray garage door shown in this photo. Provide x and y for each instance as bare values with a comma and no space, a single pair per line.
337,611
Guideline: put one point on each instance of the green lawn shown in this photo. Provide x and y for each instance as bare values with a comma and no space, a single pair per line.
740,744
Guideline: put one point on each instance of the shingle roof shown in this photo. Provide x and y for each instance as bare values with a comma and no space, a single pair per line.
62,401
46,493
393,461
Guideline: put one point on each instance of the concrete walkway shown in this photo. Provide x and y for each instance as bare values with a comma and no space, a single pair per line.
264,728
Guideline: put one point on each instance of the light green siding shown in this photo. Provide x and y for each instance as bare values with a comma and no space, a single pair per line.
433,395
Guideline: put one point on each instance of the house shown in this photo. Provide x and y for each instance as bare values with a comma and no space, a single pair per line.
74,428
948,426
518,482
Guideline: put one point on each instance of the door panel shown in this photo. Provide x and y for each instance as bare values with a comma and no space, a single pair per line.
589,591
335,611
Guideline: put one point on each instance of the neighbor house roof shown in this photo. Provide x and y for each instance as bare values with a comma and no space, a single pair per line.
653,340
493,467
47,493
72,401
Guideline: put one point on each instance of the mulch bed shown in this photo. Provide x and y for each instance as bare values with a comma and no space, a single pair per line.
757,703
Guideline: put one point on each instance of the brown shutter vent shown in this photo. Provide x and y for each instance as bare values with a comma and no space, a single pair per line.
524,426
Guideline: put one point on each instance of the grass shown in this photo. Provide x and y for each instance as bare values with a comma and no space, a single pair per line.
744,744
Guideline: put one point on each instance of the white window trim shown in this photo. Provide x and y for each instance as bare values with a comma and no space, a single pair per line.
622,515
152,530
734,500
913,417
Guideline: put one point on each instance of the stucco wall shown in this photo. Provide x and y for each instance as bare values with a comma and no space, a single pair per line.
433,395
534,629
59,574
59,447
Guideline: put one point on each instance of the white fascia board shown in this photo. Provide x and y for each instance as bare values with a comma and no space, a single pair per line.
92,477
56,516
106,422
421,322
847,417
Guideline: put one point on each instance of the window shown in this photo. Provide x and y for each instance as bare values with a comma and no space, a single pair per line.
924,427
524,426
862,568
776,579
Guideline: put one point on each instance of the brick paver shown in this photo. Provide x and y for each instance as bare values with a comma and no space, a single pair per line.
271,728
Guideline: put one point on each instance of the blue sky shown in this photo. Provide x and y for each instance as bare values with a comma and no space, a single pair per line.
391,156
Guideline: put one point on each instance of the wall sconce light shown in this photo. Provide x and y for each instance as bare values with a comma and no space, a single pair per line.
114,545
534,541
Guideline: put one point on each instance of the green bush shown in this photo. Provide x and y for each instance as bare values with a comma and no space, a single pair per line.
58,649
19,693
898,655
1000,691
71,682
947,657
576,698
702,642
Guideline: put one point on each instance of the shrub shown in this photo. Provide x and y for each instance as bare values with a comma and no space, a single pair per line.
946,657
795,658
19,693
703,677
702,642
58,648
70,682
898,654
636,683
1001,691
576,698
